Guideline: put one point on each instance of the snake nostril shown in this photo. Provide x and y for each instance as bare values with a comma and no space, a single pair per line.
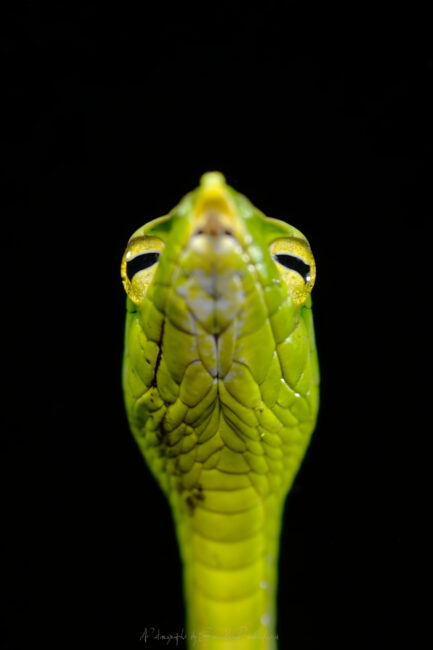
212,231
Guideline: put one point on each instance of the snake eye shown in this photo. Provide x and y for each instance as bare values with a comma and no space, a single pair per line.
295,263
139,264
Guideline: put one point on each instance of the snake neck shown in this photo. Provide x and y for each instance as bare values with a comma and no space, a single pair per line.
229,549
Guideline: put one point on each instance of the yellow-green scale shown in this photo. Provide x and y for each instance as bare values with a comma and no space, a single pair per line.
230,564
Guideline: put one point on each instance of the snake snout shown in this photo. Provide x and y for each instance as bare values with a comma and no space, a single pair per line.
215,224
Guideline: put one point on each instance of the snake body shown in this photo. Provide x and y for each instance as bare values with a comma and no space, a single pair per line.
221,387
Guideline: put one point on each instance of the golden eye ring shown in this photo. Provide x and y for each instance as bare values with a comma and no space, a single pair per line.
139,264
295,263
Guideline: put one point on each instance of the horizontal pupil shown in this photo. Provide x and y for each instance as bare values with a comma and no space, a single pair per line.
295,264
140,262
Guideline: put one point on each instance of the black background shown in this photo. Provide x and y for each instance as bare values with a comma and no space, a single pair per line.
112,115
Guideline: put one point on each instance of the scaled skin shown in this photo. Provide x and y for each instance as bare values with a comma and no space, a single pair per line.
221,379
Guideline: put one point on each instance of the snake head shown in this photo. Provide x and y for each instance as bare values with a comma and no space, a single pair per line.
219,299
213,220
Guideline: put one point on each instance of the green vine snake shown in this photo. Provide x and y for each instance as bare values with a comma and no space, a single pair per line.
221,387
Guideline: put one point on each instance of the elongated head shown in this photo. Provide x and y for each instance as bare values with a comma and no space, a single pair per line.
220,310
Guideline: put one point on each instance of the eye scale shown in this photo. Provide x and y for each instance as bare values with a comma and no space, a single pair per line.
141,262
294,263
221,388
